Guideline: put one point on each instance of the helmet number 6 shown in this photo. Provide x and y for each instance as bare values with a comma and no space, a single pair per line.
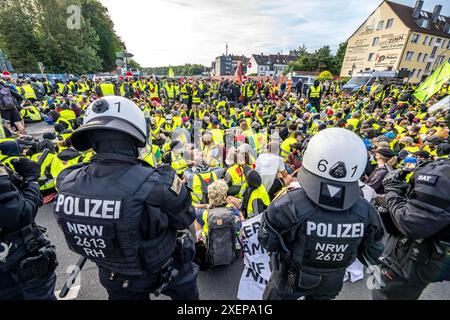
322,165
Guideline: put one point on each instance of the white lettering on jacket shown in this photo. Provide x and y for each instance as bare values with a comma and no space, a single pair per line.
82,207
339,230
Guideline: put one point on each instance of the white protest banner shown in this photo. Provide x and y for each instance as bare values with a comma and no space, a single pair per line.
256,272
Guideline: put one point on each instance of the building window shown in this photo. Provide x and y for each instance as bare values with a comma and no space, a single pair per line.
413,73
425,57
438,42
425,40
409,55
419,56
376,41
443,44
389,23
380,25
424,23
448,44
433,52
427,68
431,41
370,56
419,73
415,38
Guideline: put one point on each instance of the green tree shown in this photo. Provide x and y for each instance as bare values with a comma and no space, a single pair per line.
109,42
184,70
134,64
322,59
69,50
339,58
17,35
34,31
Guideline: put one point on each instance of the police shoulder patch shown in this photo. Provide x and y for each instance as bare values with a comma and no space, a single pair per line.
3,171
177,184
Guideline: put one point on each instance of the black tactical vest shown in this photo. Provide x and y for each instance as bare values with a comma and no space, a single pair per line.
326,241
101,216
431,193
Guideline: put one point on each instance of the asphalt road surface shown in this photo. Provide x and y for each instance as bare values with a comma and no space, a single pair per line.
216,284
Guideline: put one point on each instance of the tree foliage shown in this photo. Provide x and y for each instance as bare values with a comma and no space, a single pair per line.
184,70
320,60
33,31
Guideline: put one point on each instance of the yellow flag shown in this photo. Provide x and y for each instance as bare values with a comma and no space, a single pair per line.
433,83
171,72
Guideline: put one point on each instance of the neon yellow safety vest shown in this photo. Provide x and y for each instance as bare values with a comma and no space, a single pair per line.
32,113
217,136
6,161
107,89
178,163
354,122
59,165
170,90
28,92
237,174
196,98
154,90
44,182
260,140
259,193
150,159
286,147
209,159
200,184
315,92
68,114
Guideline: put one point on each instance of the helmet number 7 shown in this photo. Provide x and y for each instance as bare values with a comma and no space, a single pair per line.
118,106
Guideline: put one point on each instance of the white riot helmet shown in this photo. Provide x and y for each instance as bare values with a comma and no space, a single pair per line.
113,113
333,162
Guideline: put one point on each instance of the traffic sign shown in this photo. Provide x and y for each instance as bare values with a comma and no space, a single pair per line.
120,62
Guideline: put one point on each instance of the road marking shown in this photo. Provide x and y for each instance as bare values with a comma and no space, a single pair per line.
73,293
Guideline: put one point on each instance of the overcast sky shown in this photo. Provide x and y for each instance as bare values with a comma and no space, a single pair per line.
163,32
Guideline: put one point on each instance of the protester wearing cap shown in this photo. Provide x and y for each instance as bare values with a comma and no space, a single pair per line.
429,124
386,160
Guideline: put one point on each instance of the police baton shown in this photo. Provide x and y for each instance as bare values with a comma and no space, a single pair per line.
72,277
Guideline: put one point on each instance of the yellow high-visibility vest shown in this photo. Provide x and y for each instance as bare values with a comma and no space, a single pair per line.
314,92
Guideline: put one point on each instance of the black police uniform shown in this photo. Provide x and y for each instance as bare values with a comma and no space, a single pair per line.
124,215
419,252
315,245
27,261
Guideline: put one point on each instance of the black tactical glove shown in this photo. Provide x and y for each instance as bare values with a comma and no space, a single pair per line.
27,169
394,182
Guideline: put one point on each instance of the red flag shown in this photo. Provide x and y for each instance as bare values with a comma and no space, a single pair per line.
238,73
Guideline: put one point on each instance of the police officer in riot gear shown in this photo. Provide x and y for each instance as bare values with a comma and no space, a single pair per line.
124,215
418,253
315,232
27,260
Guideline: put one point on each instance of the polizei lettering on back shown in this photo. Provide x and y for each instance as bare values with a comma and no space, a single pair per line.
338,230
83,207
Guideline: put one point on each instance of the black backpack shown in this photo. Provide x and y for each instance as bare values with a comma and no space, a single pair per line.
221,242
7,101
